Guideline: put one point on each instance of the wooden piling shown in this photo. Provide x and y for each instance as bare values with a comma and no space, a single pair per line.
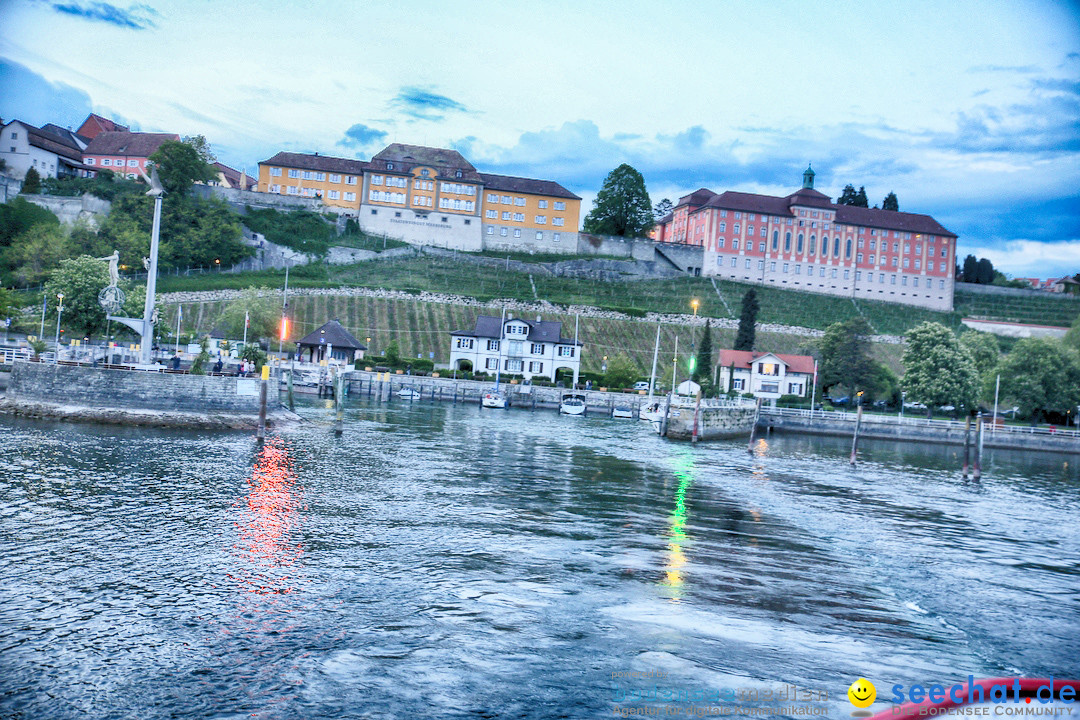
967,444
261,434
339,403
977,471
855,437
289,391
697,414
753,427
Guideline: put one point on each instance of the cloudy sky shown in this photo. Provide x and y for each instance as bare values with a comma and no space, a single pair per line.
968,111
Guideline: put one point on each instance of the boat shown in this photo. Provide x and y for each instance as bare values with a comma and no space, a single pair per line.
408,394
623,412
653,411
572,404
495,398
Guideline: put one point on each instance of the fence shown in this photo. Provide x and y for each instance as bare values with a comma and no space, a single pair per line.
838,416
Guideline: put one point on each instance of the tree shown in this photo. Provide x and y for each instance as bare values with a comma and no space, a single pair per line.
703,365
80,280
202,147
847,196
393,353
261,308
744,340
1040,376
180,165
845,356
621,207
970,271
985,272
984,350
36,253
939,371
621,372
31,182
891,202
198,367
860,198
19,215
254,353
1072,338
661,209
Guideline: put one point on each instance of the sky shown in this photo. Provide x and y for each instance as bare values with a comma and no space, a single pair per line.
968,111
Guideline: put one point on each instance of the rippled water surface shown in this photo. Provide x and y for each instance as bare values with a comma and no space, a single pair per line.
440,561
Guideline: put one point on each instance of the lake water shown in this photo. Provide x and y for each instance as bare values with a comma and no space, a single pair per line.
442,561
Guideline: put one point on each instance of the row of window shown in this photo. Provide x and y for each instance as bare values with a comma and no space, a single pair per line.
520,217
109,162
520,201
456,204
516,346
313,192
836,245
790,221
385,196
833,272
768,387
422,200
513,366
555,237
419,184
313,175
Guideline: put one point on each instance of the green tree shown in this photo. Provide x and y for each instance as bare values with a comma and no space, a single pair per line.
1040,376
254,353
31,182
8,305
622,206
845,357
393,354
985,352
622,372
198,367
80,279
985,272
36,253
18,216
662,208
1072,338
703,366
970,271
860,198
744,339
939,371
180,165
847,195
262,309
891,202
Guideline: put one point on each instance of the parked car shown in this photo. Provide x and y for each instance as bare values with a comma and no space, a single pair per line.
641,385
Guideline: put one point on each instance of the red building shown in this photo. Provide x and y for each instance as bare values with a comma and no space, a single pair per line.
124,153
804,241
94,125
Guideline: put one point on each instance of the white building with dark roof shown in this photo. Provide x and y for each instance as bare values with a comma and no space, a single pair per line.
51,150
533,349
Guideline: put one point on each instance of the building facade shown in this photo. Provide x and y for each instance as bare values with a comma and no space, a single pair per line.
806,242
124,153
52,151
766,375
432,196
533,349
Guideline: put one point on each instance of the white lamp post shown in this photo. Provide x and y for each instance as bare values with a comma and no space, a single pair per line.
59,314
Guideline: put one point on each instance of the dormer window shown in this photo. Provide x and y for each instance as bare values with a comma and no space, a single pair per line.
424,172
457,174
389,166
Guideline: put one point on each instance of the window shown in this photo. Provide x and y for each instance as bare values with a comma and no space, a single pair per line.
858,258
335,178
492,198
881,278
772,267
519,201
506,215
794,388
761,264
747,263
821,272
519,217
542,204
541,219
293,190
108,163
749,229
833,273
133,163
321,177
334,195
720,242
275,188
557,221
350,196
556,237
505,199
892,279
723,227
539,234
895,261
858,276
536,348
90,161
492,363
307,175
941,284
465,343
734,262
763,233
799,244
907,262
490,230
492,214
787,242
896,246
376,179
493,345
457,173
389,166
915,282
944,252
847,274
738,384
517,232
735,229
775,240
735,244
787,268
798,269
761,247
503,231
871,259
907,248
566,351
559,205
350,180
903,280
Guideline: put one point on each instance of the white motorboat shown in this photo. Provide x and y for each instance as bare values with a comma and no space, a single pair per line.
572,404
493,399
652,412
622,412
408,394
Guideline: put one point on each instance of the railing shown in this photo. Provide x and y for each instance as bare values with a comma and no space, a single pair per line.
841,416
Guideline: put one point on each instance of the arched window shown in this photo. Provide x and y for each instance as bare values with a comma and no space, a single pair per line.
836,247
787,242
799,245
775,240
813,245
848,249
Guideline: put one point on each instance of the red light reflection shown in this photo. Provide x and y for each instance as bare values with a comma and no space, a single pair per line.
268,525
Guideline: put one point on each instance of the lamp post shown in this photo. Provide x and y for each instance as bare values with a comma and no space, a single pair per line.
59,314
694,303
903,394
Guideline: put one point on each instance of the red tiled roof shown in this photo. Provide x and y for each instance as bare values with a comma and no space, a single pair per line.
128,144
698,197
95,124
325,163
745,358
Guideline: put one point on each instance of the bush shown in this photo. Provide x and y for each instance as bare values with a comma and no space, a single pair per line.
31,182
421,365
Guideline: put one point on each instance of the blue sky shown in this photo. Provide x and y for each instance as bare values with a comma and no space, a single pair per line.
968,111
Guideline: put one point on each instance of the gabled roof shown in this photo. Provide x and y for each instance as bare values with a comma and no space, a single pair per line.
50,142
743,359
447,163
698,197
128,143
526,185
95,124
890,220
233,176
67,135
487,326
325,163
809,196
331,333
750,202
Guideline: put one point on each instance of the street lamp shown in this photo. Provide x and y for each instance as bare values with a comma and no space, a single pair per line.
903,394
217,263
59,313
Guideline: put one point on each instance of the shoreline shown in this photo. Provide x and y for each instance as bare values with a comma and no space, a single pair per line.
65,412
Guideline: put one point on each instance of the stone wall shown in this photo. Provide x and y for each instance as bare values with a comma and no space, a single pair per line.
239,198
566,244
634,248
133,389
70,209
445,230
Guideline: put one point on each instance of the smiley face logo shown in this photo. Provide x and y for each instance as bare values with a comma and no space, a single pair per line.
862,693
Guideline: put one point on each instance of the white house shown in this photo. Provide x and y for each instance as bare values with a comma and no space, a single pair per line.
524,347
51,150
766,375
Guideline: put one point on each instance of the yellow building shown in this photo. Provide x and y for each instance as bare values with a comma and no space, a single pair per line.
522,212
335,181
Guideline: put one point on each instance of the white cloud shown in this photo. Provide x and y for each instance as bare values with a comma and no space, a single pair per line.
1028,258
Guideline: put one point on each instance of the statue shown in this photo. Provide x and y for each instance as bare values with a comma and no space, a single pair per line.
114,272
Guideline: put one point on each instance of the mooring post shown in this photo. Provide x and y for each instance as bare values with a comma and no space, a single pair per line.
261,435
289,390
753,426
967,444
697,414
977,472
855,437
339,402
